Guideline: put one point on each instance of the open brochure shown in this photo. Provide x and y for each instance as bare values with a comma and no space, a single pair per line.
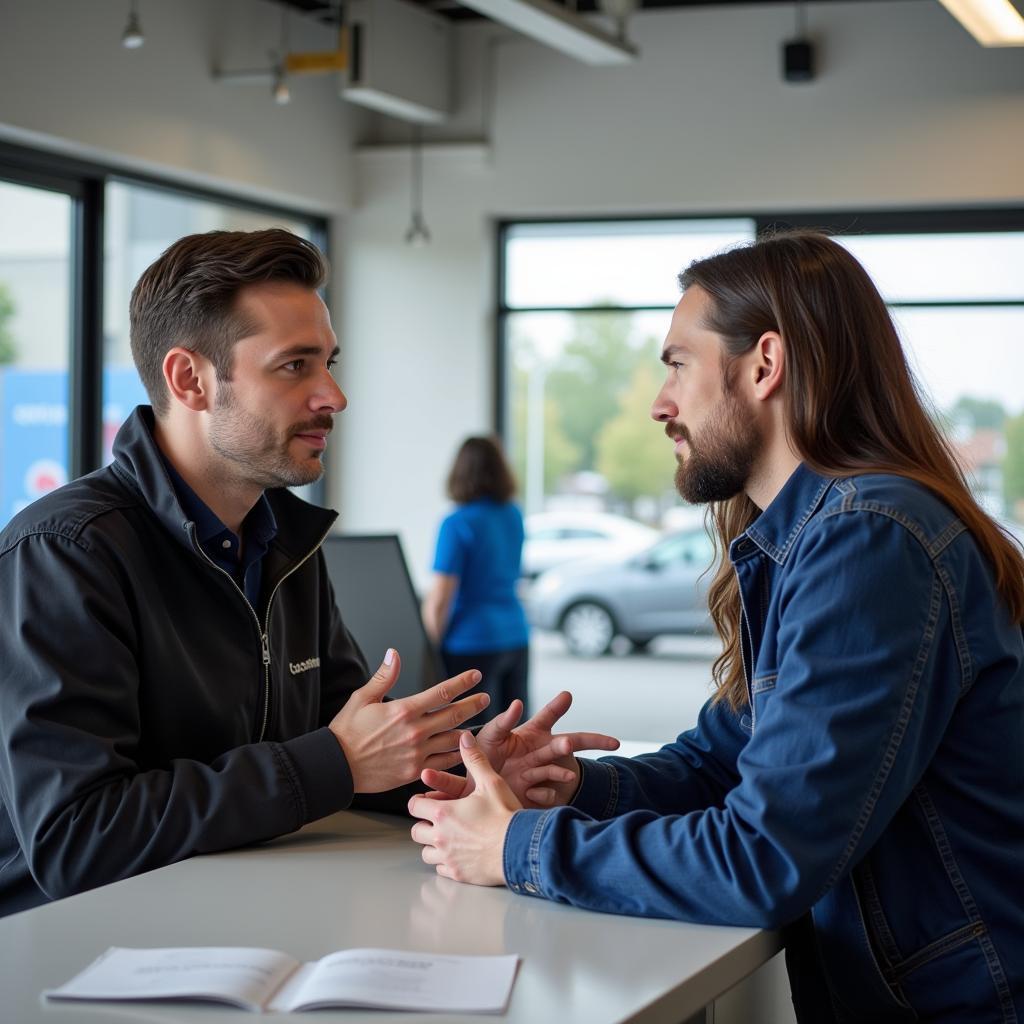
266,980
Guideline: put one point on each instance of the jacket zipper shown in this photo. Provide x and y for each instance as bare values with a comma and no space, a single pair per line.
265,636
264,632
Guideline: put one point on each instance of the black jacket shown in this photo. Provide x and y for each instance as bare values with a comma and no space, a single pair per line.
147,711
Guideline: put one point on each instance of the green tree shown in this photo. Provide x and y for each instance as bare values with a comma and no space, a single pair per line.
590,375
1013,461
978,413
8,346
633,454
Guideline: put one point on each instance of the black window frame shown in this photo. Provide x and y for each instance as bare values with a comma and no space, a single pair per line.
923,220
85,182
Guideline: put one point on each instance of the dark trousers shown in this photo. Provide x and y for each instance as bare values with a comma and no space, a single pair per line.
505,677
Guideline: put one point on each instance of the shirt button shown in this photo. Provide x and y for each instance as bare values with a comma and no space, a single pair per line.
530,888
225,543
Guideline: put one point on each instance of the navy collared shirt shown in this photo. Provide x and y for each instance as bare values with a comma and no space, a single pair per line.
221,545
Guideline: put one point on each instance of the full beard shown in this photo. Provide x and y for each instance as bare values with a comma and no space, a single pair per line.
250,442
721,457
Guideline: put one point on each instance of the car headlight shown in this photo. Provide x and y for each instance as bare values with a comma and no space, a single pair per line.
547,583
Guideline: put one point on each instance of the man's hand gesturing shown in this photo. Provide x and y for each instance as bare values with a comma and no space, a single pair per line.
388,744
540,768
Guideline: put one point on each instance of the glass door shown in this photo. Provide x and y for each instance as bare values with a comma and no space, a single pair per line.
36,264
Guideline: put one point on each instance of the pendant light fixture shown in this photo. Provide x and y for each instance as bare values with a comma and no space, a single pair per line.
132,37
418,233
280,91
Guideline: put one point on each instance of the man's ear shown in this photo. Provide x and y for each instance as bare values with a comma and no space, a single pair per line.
768,364
188,376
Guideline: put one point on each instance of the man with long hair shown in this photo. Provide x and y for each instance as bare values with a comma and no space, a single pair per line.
176,676
858,775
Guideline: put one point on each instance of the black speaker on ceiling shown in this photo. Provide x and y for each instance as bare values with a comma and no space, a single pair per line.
798,60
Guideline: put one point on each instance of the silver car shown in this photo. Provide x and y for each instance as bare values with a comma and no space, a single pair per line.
661,590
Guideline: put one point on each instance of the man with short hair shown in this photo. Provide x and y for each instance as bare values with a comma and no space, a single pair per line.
176,677
858,775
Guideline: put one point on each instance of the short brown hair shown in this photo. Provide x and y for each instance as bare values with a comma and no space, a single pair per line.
480,471
188,296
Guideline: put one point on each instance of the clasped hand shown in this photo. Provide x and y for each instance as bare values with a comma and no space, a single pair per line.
465,819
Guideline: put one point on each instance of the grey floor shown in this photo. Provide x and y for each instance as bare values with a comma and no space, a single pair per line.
649,697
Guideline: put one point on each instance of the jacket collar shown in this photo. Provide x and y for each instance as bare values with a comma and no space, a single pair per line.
137,458
778,526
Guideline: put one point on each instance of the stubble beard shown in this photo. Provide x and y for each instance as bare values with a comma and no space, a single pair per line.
721,457
250,442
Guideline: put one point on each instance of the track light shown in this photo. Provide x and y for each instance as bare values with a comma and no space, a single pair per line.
132,37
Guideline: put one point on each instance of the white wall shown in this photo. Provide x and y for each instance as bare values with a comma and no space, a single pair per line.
908,111
66,83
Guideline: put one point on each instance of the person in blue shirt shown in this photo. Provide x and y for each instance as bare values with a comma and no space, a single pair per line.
857,779
472,610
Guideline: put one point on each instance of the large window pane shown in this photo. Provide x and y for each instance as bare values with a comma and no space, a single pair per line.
969,357
35,296
579,383
581,387
596,472
627,263
970,362
963,267
140,224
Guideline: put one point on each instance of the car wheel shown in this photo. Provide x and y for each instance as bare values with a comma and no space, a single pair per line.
588,629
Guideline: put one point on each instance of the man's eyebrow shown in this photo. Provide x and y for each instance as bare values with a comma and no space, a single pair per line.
673,350
303,350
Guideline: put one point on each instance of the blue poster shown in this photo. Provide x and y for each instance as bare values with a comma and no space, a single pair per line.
34,429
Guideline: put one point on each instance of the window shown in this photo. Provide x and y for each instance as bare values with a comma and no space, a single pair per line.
35,342
73,241
584,309
958,302
141,222
692,548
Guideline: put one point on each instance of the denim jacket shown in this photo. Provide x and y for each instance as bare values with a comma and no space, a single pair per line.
871,792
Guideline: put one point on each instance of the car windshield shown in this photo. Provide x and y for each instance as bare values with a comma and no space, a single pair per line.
693,547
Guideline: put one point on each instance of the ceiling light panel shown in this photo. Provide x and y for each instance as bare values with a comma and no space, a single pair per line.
555,26
991,22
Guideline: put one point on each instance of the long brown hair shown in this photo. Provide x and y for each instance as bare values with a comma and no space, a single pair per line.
851,402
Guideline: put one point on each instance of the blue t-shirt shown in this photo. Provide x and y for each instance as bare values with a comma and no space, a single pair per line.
482,543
